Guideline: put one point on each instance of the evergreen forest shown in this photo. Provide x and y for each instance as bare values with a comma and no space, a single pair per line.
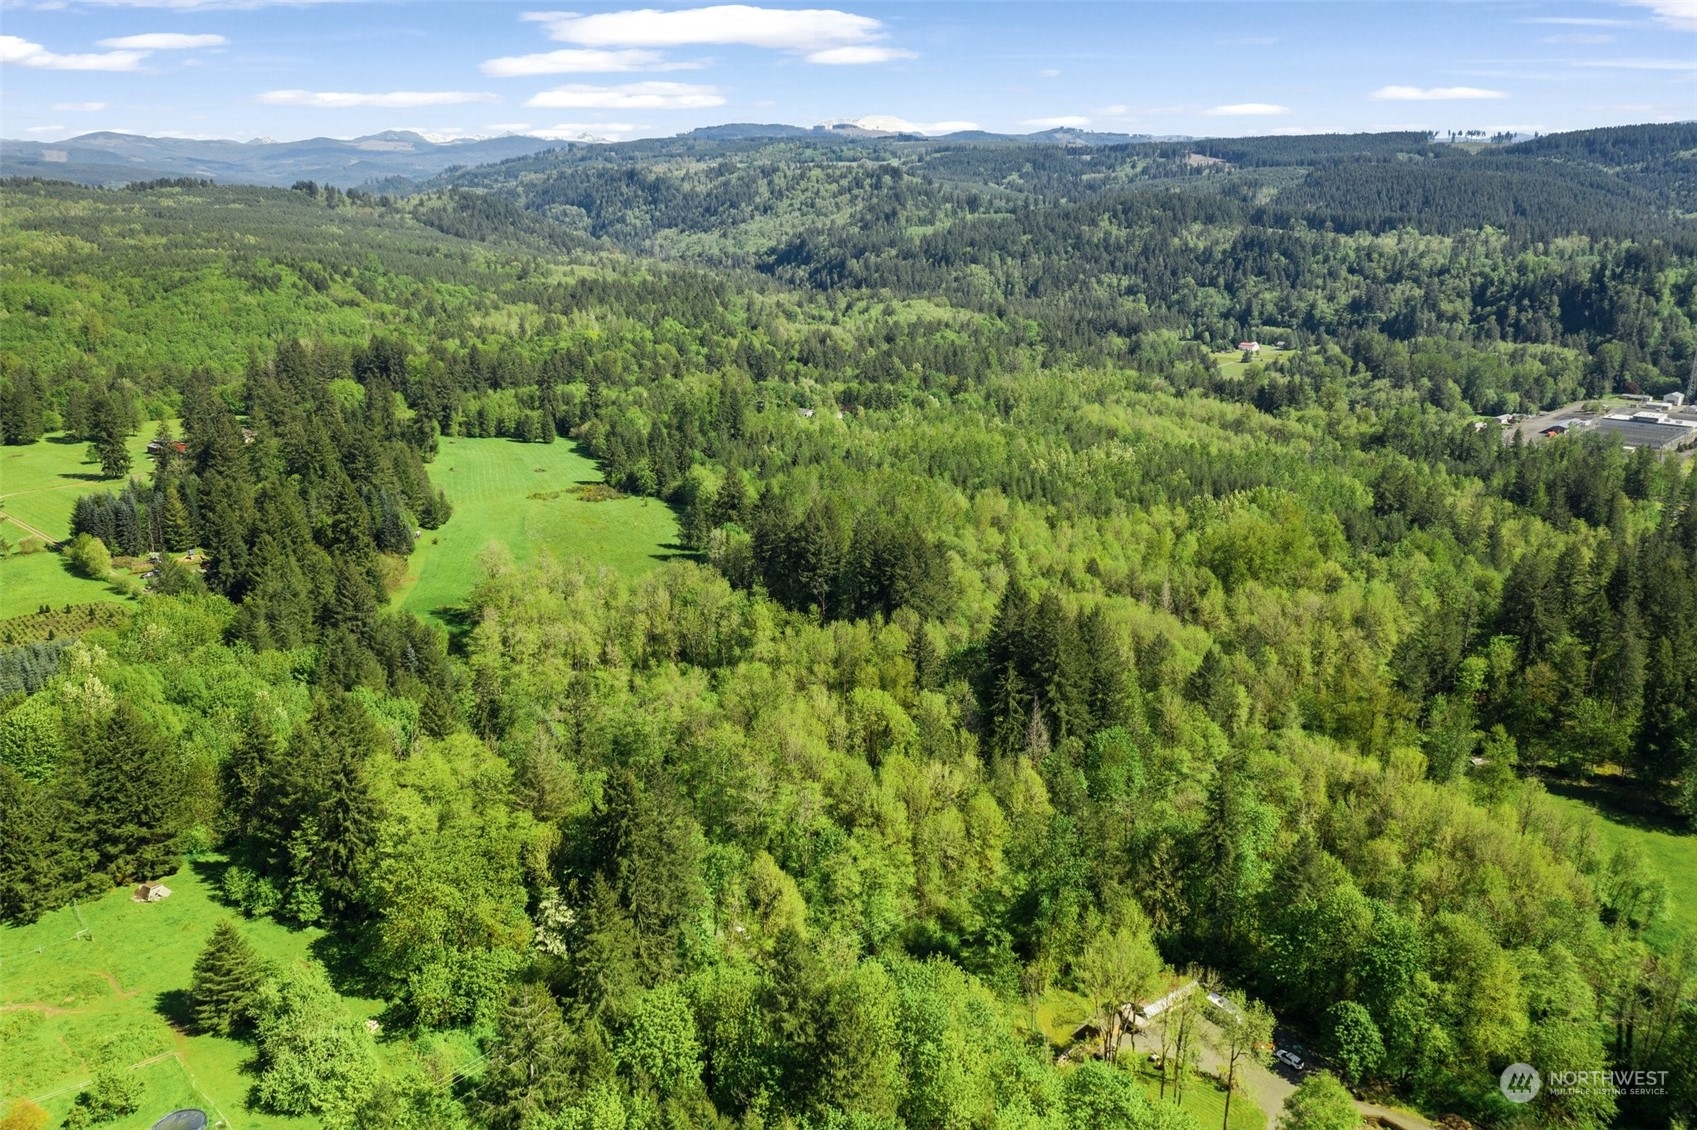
1028,648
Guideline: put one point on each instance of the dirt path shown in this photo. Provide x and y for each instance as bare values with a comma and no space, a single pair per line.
52,542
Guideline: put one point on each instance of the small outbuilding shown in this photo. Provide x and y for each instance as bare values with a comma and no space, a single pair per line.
151,892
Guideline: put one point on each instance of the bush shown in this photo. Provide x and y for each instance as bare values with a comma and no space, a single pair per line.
24,1115
88,555
115,1092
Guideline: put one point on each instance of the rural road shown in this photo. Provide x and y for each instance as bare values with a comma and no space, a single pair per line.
1269,1088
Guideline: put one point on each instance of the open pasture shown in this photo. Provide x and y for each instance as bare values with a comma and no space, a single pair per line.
527,497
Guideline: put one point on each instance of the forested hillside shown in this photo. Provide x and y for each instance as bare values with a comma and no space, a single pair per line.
1031,651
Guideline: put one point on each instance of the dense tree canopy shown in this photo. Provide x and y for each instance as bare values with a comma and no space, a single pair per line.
1023,648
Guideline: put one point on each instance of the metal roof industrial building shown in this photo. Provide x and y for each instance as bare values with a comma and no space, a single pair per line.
1645,433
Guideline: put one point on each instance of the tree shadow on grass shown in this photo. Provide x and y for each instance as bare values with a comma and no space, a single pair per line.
680,554
86,476
343,958
459,621
211,872
1626,803
175,1007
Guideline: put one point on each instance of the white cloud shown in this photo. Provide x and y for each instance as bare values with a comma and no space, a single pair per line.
1434,94
1117,110
1246,110
80,107
1578,21
575,60
1064,121
629,96
17,52
821,35
1681,14
1049,72
395,99
1578,39
806,29
44,129
855,55
164,41
1641,64
893,124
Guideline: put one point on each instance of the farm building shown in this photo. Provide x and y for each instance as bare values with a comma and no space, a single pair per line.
151,892
1649,429
1249,346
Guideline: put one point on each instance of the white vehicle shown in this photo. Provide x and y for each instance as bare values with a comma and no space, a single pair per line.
1290,1059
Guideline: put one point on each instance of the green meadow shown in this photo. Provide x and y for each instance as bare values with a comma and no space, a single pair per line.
523,496
38,484
104,982
1672,854
526,497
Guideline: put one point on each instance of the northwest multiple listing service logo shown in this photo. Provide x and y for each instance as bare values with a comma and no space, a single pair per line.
1520,1082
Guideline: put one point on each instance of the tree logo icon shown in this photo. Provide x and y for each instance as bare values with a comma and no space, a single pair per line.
1521,1083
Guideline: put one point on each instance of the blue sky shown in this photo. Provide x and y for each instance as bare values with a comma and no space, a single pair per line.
246,68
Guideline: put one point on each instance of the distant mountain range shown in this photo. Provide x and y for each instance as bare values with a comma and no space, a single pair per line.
120,158
393,158
750,131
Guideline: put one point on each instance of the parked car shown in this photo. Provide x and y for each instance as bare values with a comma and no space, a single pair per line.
1292,1060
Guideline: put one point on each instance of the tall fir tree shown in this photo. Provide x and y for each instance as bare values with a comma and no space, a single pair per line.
107,438
227,977
135,796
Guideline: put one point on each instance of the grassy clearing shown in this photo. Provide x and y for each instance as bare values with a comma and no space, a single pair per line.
40,481
68,1006
27,581
38,484
491,483
1673,854
1206,1100
1057,1014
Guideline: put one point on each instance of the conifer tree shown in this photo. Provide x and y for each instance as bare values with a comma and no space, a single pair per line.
227,976
525,1076
21,409
134,797
164,454
174,517
107,439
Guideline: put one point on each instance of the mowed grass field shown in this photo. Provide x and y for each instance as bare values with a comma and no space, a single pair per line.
1672,854
492,484
38,484
69,1005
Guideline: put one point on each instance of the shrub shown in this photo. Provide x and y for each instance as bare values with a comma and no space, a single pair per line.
24,1115
89,556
